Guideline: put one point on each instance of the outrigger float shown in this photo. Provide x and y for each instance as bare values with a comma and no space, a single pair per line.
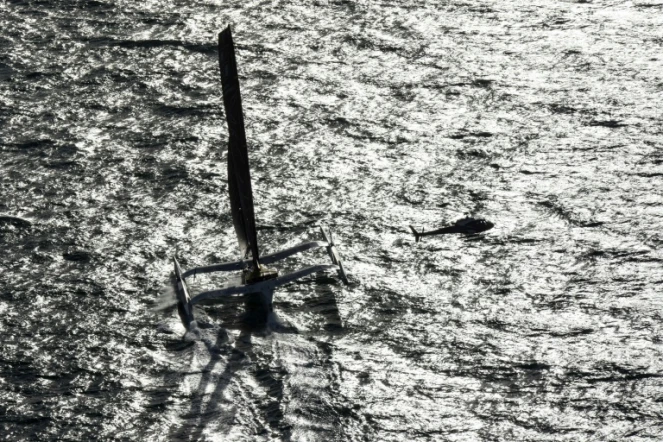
256,278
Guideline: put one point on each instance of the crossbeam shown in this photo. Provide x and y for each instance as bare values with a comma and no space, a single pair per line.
266,259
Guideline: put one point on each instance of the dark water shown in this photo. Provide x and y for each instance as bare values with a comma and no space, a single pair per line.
544,117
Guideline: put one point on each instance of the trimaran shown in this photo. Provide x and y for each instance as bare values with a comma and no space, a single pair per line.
256,278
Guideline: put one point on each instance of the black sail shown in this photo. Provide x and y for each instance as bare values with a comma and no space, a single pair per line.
239,177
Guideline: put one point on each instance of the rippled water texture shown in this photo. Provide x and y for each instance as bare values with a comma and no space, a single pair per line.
541,116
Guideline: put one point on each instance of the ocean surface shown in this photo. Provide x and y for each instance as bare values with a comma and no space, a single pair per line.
544,117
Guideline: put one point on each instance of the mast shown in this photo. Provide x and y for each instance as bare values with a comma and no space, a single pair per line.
239,176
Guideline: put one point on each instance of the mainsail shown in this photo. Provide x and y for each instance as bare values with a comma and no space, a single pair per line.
239,177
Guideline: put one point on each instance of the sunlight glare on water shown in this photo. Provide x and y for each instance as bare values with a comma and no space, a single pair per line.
542,117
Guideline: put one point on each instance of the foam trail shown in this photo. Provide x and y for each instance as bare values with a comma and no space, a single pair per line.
167,299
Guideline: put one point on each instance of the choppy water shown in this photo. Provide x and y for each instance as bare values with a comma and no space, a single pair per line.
542,116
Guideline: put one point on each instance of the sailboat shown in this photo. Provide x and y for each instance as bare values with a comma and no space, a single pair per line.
256,277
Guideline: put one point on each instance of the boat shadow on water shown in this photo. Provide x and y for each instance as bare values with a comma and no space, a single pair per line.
238,343
224,337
